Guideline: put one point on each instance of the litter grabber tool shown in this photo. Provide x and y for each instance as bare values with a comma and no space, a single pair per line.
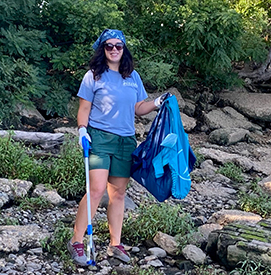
90,247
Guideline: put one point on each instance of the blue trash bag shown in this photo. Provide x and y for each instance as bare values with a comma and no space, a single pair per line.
163,162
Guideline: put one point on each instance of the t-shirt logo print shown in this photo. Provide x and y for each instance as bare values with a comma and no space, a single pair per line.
130,84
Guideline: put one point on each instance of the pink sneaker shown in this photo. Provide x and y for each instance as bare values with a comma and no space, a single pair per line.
118,252
77,253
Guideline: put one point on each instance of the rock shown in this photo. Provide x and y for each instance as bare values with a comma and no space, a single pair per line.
227,117
252,105
227,136
140,130
225,217
50,195
189,123
167,242
173,91
158,252
238,242
189,108
213,189
194,254
67,130
10,189
263,165
180,100
4,199
266,185
13,238
151,261
128,203
30,115
206,229
206,171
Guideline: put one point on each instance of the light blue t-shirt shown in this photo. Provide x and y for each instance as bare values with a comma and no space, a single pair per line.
113,101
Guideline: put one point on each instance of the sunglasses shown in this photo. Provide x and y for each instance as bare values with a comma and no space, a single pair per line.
109,47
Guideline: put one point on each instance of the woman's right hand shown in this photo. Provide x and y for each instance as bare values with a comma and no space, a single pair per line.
83,133
159,100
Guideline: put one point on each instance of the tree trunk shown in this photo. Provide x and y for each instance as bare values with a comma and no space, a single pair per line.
261,74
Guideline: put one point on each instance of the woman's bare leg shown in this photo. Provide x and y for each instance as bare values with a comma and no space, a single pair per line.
116,188
98,180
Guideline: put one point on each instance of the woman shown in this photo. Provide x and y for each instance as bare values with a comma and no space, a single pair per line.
111,93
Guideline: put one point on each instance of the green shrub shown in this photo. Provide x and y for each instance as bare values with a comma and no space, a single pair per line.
231,171
57,244
157,74
150,219
15,162
8,221
57,100
65,173
45,45
22,79
34,204
212,36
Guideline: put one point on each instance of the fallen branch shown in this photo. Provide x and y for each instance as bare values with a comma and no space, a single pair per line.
45,140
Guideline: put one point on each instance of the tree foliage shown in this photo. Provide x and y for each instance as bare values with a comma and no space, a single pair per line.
45,46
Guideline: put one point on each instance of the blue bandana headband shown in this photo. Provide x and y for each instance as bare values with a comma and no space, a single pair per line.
108,34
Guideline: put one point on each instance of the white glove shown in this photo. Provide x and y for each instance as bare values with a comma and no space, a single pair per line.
159,100
83,133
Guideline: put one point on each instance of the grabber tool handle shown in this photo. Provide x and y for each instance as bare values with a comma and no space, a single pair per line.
86,147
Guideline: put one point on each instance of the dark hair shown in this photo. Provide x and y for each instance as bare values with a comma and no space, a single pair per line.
98,63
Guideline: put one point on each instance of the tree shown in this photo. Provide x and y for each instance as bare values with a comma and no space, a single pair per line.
257,19
22,73
44,50
45,46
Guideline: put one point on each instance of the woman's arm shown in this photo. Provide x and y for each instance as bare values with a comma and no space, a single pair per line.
143,107
83,112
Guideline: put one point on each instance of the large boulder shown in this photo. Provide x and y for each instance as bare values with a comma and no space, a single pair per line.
240,241
11,189
252,105
227,117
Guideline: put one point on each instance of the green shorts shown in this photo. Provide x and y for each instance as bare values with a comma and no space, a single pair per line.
112,152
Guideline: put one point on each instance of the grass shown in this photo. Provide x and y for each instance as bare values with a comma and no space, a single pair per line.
65,173
9,221
199,158
15,161
205,270
57,244
231,171
149,219
255,200
250,267
136,270
33,204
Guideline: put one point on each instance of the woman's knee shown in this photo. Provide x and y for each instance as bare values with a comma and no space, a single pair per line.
98,182
116,193
97,192
119,195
